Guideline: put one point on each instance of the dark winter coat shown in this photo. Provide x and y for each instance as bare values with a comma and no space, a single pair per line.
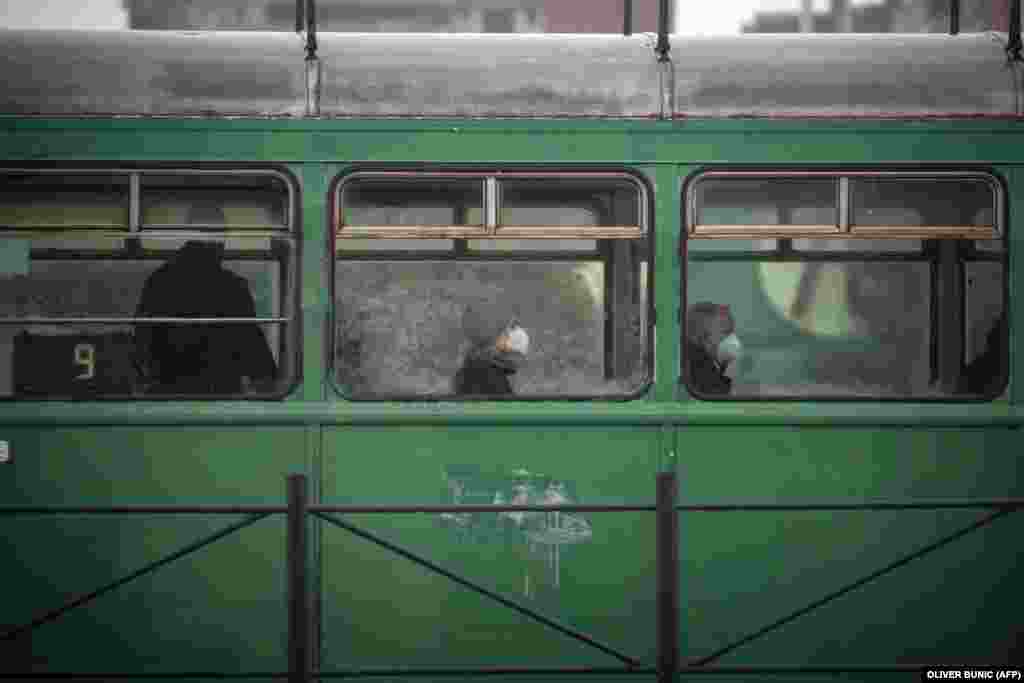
984,374
482,377
705,373
200,358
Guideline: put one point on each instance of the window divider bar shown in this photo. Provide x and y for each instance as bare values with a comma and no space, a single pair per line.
844,204
134,202
491,208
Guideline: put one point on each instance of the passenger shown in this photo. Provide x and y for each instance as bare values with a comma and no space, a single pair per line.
711,347
499,348
984,374
198,358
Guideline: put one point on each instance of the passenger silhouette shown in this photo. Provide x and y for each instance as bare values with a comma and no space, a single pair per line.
200,358
499,348
984,374
711,346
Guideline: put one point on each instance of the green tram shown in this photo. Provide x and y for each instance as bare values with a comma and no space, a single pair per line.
844,205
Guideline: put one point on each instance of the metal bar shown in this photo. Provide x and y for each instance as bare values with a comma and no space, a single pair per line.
954,17
1013,45
662,47
486,671
373,509
462,581
138,321
1004,503
700,661
116,675
298,591
152,566
627,17
667,552
1001,503
526,671
142,509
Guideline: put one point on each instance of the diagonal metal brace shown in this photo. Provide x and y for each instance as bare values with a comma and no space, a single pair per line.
462,581
151,567
921,552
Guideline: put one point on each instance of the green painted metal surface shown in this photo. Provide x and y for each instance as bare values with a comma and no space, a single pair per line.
225,608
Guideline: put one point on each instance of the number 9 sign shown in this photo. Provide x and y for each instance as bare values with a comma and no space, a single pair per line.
85,357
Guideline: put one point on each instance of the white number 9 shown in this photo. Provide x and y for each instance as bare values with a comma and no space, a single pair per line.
85,355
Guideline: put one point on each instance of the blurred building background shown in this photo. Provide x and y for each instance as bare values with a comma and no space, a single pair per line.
442,16
886,16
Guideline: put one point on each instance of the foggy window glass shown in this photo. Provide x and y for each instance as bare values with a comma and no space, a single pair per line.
568,201
413,202
65,298
431,328
533,245
845,328
860,245
717,245
765,201
922,202
193,200
346,244
42,200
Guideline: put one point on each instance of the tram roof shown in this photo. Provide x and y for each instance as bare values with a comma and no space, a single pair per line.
261,74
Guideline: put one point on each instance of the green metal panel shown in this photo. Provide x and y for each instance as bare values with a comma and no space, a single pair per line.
745,570
223,608
693,141
383,610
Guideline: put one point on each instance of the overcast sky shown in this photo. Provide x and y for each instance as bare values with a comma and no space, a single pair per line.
712,17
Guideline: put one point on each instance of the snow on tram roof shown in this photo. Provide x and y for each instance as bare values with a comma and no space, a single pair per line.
262,74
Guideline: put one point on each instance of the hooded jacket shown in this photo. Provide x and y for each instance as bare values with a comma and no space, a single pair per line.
200,358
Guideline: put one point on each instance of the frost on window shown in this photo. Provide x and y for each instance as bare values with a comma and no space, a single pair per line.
894,323
406,329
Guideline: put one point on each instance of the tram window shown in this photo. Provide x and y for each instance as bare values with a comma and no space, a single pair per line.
721,202
66,343
402,331
927,201
73,305
412,202
519,303
214,201
535,202
44,200
848,327
918,315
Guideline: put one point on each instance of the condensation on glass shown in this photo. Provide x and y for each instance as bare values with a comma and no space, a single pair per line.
207,200
411,314
81,277
914,309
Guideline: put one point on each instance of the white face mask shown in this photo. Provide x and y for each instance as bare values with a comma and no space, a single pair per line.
729,349
518,340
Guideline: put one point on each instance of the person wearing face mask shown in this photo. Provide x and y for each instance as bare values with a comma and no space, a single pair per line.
712,347
499,349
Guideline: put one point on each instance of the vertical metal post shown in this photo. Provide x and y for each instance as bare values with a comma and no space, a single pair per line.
627,17
1013,46
954,17
667,534
298,593
662,46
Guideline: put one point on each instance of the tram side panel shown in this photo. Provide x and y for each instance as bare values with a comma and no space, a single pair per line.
592,571
222,608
